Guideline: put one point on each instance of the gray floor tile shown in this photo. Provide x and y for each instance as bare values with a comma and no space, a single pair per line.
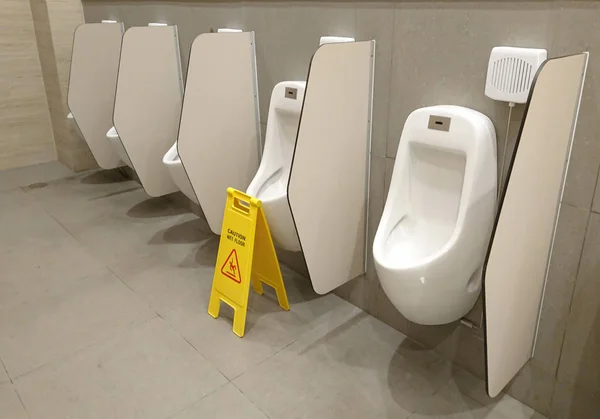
225,403
268,327
10,404
3,374
127,244
467,385
167,288
24,221
343,369
147,372
36,268
450,406
44,330
24,176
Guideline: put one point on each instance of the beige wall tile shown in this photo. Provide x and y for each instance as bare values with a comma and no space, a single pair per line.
580,363
572,402
389,171
570,233
576,29
55,23
24,118
596,202
533,387
376,21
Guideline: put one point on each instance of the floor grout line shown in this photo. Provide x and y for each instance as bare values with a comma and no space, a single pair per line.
250,400
65,357
6,371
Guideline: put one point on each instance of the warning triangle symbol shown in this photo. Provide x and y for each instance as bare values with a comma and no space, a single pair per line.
231,267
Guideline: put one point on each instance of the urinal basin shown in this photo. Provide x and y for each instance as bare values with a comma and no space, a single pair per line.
113,138
270,182
173,163
433,235
437,267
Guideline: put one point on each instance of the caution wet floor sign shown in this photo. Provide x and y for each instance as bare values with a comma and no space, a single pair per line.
246,254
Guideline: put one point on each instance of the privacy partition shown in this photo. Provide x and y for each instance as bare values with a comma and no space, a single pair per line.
92,85
328,185
148,102
219,135
517,261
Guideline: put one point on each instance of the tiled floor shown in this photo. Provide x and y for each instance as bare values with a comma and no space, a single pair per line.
103,296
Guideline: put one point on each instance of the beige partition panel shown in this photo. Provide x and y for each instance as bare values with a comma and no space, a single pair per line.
148,102
328,184
219,135
92,86
517,260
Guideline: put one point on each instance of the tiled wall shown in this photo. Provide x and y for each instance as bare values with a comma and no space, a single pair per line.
436,53
55,21
25,130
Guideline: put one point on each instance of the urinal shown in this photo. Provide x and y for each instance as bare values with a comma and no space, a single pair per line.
173,163
113,138
271,180
431,241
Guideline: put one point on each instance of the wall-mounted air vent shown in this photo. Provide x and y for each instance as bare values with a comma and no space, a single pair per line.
511,72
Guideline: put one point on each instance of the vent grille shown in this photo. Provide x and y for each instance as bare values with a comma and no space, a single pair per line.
511,75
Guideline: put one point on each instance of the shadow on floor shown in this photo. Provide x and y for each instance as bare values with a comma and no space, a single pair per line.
104,177
192,231
207,253
154,208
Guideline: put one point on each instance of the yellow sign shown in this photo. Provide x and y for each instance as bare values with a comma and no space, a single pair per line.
246,254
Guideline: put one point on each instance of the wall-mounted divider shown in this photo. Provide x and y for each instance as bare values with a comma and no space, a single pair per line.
517,260
219,134
92,86
328,185
148,102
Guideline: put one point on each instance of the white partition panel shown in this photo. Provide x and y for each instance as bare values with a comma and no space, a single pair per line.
517,260
328,184
148,102
219,135
92,86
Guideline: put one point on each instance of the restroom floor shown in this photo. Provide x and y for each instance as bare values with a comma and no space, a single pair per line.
103,296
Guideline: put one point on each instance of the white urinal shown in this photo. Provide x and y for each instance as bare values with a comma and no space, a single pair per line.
180,178
113,138
436,224
271,181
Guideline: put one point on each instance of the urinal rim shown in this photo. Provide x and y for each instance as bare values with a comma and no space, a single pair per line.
171,157
112,133
379,248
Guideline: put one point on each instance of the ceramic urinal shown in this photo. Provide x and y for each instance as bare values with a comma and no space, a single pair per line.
431,242
271,181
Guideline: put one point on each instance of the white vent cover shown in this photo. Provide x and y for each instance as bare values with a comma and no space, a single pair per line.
327,39
511,72
228,30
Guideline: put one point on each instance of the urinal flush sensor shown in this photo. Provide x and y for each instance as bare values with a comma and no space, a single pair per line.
439,123
291,92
